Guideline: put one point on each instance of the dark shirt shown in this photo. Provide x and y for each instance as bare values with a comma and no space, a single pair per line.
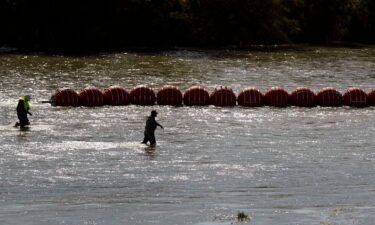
21,108
151,124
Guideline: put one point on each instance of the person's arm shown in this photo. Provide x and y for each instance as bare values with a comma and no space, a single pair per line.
158,124
28,112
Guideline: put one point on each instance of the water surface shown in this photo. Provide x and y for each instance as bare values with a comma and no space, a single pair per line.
280,166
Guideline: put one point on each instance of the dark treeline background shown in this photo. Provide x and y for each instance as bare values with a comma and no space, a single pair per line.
92,25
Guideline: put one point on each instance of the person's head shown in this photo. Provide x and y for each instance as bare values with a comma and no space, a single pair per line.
27,97
154,113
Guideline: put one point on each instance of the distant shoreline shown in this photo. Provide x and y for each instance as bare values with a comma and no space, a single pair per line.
258,47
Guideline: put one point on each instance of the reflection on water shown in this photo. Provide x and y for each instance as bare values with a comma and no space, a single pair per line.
280,166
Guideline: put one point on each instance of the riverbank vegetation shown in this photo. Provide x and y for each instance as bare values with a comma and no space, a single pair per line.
92,25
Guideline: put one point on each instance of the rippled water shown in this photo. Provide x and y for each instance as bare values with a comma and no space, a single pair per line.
279,166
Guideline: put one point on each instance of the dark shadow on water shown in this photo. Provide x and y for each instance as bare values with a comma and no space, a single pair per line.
23,134
25,129
150,151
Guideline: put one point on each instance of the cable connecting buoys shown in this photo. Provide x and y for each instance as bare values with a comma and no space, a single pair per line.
329,97
250,97
116,95
142,95
354,97
223,96
91,96
196,95
303,97
65,97
277,97
371,97
169,95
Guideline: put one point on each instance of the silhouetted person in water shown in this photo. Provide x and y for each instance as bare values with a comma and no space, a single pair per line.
23,108
150,128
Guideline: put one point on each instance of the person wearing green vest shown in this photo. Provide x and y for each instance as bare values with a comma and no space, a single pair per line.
23,108
150,128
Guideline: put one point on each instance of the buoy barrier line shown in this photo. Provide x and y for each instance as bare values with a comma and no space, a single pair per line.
65,97
371,97
277,97
223,96
250,97
196,96
220,96
354,97
91,96
169,95
142,95
329,97
116,95
303,97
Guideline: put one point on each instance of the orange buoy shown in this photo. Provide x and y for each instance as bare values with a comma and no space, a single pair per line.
303,97
169,95
116,95
91,96
328,96
196,95
354,97
276,96
223,96
142,95
65,97
371,97
250,97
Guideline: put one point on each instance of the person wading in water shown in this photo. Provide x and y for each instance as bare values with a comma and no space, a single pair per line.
23,108
150,128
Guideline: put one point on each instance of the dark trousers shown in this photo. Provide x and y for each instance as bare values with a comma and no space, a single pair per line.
149,136
23,119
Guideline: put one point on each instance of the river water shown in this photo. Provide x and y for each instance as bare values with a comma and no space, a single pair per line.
279,166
